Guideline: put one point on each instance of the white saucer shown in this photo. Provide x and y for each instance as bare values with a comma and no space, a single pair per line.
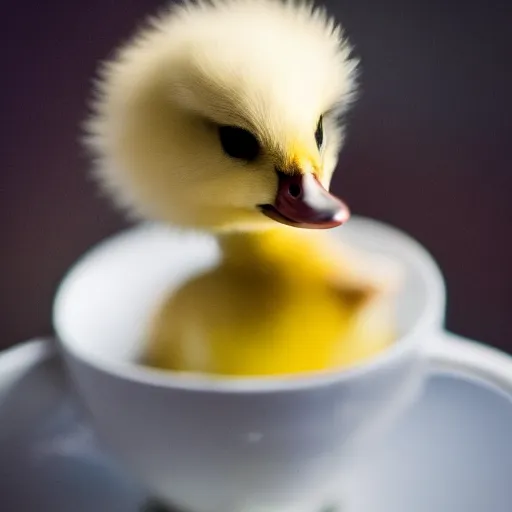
451,453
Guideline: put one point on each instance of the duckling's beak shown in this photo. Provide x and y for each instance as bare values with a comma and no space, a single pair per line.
303,202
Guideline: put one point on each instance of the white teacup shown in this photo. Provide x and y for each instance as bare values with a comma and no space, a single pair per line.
210,445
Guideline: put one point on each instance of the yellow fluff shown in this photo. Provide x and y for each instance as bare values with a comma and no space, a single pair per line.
283,300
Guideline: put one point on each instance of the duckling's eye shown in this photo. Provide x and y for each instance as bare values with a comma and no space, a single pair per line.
239,143
319,133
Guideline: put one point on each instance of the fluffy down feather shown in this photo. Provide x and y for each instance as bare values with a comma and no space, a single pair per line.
282,300
269,66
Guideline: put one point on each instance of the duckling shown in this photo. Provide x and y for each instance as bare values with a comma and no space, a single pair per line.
224,117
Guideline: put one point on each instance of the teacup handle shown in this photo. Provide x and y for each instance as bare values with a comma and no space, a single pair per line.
454,354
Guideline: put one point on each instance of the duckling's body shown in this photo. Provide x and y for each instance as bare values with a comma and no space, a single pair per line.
261,312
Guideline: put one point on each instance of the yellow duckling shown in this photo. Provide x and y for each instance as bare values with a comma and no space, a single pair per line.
224,116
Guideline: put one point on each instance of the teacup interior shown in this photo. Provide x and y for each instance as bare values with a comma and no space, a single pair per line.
106,301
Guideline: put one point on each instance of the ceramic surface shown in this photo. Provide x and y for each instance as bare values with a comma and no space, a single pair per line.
452,451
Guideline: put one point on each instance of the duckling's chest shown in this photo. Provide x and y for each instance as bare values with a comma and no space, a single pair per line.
269,320
267,295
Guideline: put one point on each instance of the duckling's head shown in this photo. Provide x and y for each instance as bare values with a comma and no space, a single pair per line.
225,115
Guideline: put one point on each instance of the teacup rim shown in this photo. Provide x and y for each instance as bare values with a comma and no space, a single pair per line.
431,317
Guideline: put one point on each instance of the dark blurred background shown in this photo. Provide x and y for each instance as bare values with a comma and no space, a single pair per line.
428,148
